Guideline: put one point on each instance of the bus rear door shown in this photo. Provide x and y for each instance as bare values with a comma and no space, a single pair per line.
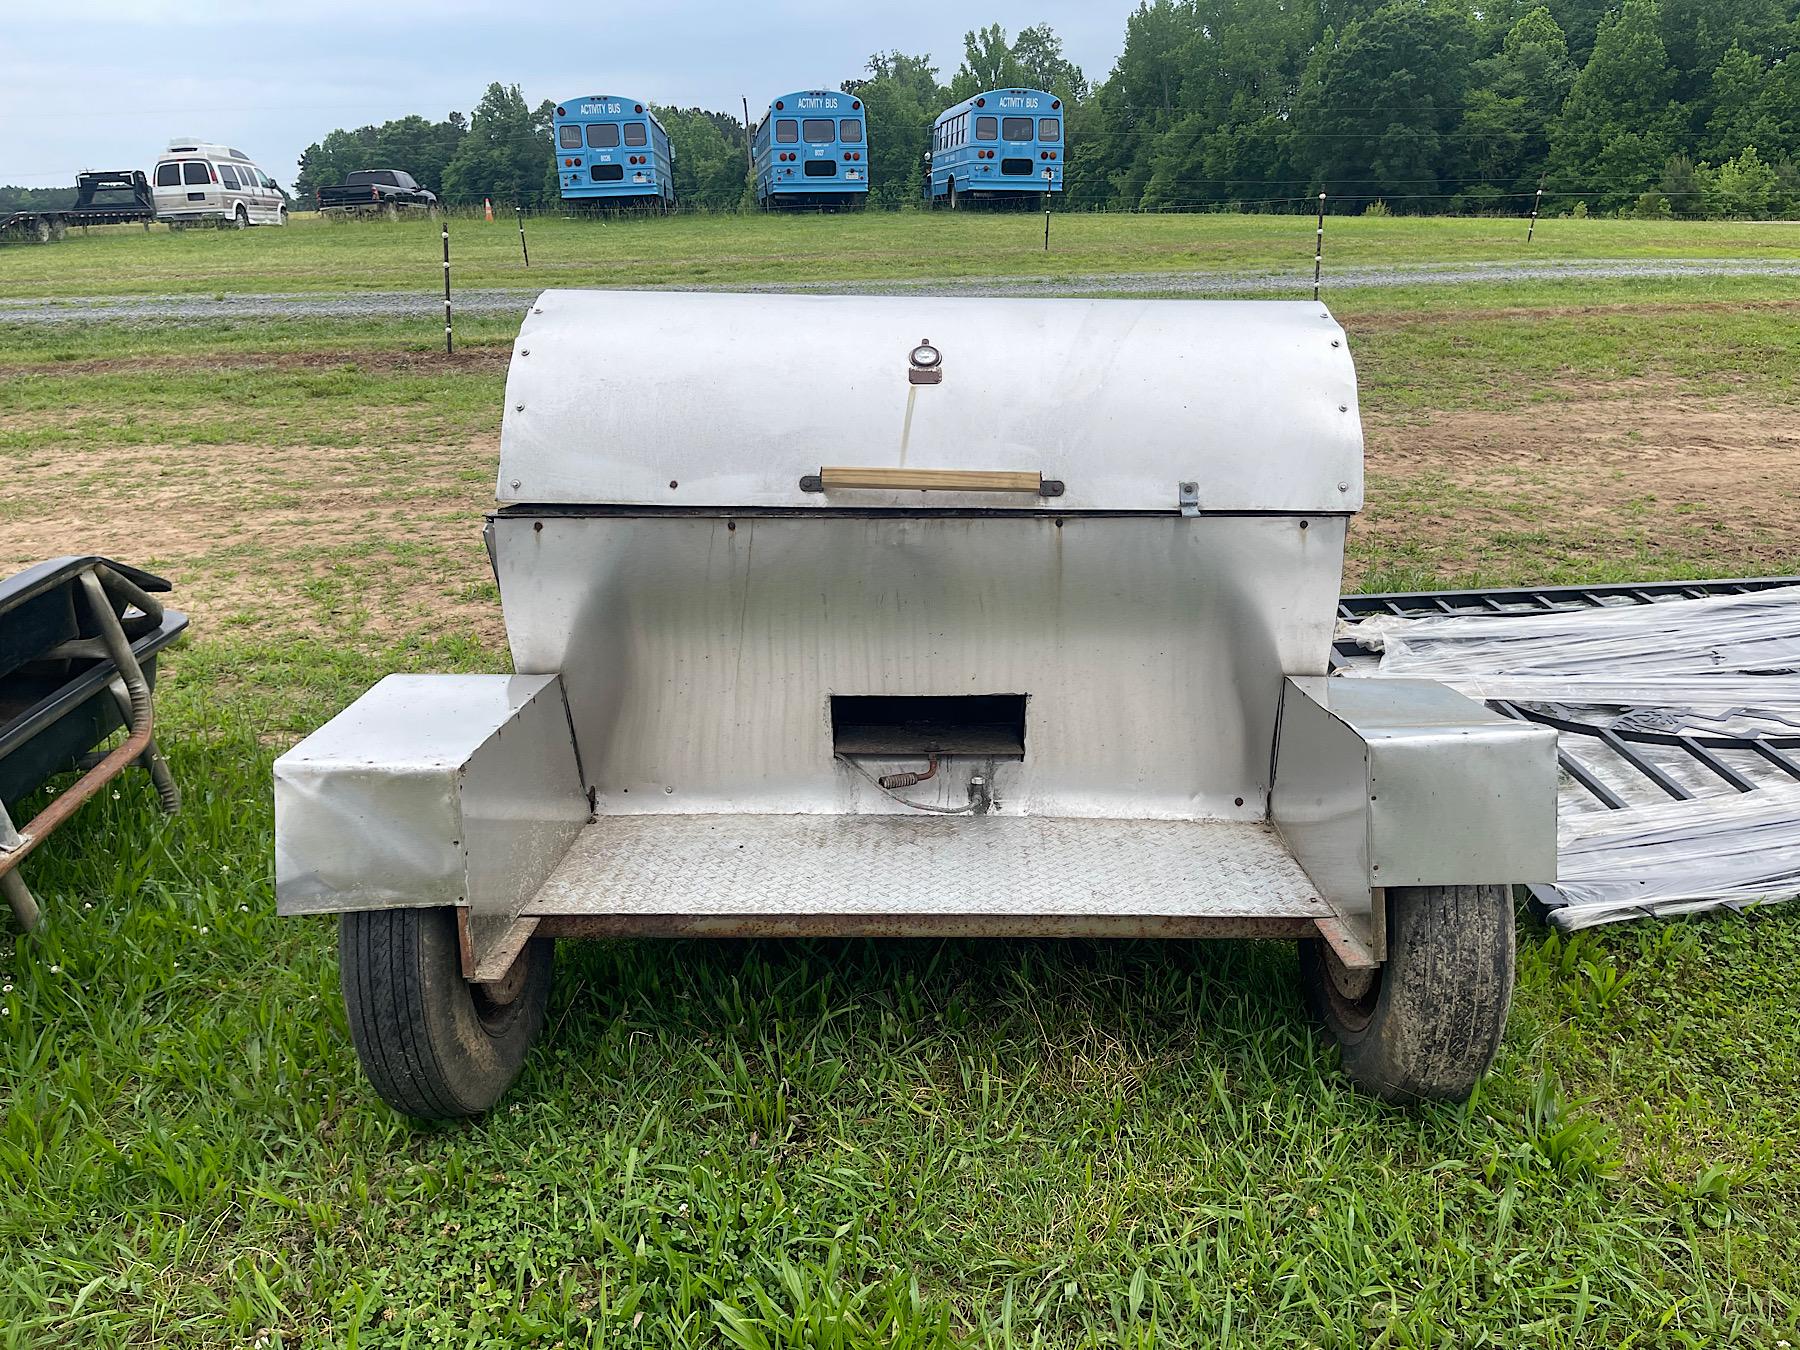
1018,146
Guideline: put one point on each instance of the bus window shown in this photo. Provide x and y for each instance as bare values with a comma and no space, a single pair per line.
1015,128
850,129
194,173
603,135
986,128
1049,128
787,131
569,136
819,130
228,176
635,134
168,175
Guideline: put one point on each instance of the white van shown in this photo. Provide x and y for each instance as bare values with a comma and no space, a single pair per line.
198,183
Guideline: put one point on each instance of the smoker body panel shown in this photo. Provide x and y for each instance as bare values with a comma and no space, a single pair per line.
699,652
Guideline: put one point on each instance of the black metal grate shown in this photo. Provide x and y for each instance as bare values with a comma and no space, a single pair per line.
1627,746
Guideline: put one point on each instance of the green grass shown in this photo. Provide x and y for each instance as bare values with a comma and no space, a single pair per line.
828,1144
712,249
849,1143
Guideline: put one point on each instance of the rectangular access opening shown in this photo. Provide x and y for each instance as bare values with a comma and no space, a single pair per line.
966,724
821,168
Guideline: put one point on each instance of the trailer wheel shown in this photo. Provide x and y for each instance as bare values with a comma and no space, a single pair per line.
433,1045
1427,1024
59,229
40,229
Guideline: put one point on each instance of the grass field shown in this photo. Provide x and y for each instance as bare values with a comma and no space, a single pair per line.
855,1143
711,249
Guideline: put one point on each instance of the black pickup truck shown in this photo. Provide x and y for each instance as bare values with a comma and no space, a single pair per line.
385,192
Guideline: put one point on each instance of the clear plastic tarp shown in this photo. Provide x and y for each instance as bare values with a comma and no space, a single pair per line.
1724,667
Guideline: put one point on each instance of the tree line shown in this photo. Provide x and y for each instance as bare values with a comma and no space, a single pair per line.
1687,108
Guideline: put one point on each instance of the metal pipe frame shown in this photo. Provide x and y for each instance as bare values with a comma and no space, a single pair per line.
100,584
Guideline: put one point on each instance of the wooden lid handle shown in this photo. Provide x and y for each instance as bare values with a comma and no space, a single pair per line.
932,480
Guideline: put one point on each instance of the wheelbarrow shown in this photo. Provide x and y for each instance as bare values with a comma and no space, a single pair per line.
78,643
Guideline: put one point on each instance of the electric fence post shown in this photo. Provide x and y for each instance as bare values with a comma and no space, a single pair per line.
448,349
1319,249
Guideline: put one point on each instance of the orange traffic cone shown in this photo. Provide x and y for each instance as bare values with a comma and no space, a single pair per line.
488,203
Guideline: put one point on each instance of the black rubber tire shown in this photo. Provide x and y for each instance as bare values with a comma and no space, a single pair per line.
430,1042
1431,1021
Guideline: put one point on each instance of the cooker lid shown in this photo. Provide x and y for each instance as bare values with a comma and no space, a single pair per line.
625,398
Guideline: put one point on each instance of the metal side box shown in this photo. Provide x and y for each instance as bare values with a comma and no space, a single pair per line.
430,790
1383,782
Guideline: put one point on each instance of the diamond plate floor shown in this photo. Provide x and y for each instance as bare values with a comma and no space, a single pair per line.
753,865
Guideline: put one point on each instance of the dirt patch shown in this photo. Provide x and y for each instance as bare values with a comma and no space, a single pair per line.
310,540
1615,471
384,540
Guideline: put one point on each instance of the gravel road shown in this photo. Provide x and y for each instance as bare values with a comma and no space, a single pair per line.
418,304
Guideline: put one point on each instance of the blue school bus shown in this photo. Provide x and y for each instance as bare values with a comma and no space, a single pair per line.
1003,143
812,150
612,150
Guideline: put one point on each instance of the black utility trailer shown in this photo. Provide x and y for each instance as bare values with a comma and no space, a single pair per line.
78,643
35,227
102,197
112,197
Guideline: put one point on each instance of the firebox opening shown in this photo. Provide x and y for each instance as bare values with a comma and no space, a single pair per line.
968,724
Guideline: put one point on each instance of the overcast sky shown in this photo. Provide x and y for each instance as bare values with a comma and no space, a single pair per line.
108,83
